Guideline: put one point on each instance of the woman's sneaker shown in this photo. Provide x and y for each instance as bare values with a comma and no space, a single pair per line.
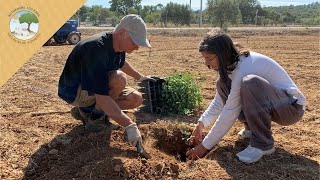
245,133
253,154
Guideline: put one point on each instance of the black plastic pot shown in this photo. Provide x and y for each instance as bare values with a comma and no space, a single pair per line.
151,93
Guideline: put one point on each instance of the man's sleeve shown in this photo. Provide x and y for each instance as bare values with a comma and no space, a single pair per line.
94,75
122,59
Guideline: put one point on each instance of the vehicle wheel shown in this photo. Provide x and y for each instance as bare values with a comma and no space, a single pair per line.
59,40
48,42
73,38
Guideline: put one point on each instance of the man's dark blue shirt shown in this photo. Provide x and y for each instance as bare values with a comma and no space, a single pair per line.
88,64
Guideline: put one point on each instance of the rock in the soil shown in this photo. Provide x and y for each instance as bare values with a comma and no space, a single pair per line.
53,151
159,167
228,155
52,144
64,139
42,151
117,168
174,168
144,161
14,166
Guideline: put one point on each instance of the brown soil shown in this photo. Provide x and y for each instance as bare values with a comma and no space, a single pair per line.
40,140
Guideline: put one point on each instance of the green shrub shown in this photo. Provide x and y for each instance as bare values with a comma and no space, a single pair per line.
180,94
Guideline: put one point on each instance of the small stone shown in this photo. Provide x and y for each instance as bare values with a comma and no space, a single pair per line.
117,168
53,151
52,144
42,151
14,166
64,139
228,155
174,167
159,167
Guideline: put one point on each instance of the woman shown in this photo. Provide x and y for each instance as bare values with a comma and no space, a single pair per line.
252,88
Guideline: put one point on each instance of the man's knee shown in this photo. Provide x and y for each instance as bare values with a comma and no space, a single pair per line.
135,99
117,79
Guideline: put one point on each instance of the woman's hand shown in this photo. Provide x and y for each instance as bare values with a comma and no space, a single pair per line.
197,134
198,152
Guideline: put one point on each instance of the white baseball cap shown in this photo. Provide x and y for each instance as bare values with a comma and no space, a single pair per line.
137,29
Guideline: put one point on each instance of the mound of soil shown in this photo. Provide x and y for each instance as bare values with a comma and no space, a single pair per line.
82,155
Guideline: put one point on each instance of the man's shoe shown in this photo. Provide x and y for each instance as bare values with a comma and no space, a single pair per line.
245,133
253,154
94,121
80,115
96,124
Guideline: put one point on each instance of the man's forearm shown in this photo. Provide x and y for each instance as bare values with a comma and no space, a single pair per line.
110,107
129,70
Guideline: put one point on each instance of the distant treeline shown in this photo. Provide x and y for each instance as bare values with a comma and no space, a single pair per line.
308,15
221,13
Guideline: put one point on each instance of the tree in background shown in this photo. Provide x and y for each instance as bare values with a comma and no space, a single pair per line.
145,11
28,18
121,7
248,10
154,17
312,16
275,18
289,17
94,13
176,13
218,13
302,14
83,13
151,14
222,12
132,10
104,14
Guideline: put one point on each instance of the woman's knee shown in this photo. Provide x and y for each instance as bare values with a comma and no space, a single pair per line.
252,81
252,86
117,79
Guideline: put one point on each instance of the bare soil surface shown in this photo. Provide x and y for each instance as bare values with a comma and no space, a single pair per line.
40,140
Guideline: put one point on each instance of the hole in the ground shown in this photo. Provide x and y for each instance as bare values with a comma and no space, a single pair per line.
170,139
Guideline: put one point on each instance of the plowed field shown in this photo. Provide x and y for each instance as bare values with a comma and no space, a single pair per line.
40,140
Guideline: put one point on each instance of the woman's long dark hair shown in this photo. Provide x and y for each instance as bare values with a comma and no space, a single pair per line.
219,43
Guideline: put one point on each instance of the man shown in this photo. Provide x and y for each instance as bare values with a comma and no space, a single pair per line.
94,77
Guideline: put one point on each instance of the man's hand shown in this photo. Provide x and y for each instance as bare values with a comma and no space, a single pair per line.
133,134
198,152
146,78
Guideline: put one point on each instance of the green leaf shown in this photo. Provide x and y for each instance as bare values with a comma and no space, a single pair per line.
181,94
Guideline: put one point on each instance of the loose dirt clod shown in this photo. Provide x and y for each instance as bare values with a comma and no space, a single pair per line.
53,151
146,155
117,168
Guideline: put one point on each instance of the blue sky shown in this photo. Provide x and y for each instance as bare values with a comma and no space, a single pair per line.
195,4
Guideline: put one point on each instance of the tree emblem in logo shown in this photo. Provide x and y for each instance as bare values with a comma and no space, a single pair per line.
24,25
